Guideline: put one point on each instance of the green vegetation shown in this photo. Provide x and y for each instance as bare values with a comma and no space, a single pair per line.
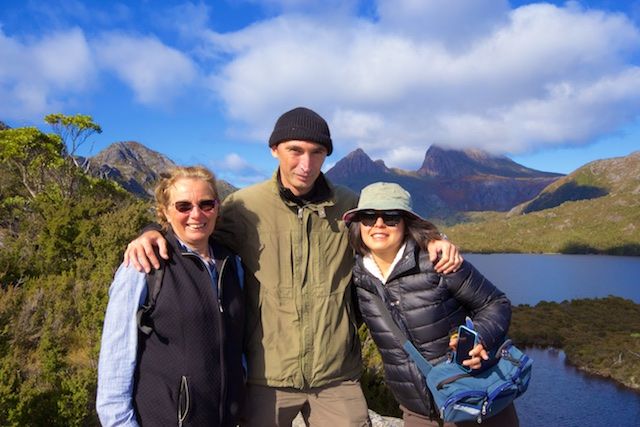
595,209
378,396
606,225
62,235
599,336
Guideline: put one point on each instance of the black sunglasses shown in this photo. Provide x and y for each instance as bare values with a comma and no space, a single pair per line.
369,218
204,205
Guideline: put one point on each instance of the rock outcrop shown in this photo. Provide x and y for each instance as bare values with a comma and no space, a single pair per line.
376,421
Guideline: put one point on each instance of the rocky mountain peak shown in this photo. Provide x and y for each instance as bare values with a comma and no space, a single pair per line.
134,166
138,168
449,163
357,163
449,180
133,154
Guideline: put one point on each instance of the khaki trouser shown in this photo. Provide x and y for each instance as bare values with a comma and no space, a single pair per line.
337,405
505,418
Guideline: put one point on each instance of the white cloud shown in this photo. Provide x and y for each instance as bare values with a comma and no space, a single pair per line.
234,162
472,74
462,73
35,74
156,72
43,75
455,24
235,168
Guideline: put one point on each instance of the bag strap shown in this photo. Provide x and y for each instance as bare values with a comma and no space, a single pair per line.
407,345
154,283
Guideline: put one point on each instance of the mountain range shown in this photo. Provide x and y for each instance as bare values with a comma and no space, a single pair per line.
490,203
450,181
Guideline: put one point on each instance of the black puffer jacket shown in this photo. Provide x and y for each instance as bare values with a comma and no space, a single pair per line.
428,309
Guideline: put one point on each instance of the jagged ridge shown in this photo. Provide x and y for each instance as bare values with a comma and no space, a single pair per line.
450,181
138,168
134,166
448,163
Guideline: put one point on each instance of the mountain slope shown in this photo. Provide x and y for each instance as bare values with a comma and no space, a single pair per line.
593,180
134,166
356,170
608,223
138,168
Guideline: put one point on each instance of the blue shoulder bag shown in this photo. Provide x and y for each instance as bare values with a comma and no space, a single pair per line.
469,396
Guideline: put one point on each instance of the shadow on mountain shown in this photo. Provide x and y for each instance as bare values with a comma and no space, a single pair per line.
569,192
630,249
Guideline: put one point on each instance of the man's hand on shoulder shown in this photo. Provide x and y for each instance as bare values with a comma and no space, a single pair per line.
140,251
446,254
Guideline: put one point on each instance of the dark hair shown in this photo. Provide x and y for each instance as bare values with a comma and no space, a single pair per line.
420,230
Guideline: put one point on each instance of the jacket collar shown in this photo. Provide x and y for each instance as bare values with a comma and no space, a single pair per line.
370,264
320,196
218,251
319,193
408,262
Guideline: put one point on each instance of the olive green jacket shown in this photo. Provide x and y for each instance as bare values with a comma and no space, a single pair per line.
301,327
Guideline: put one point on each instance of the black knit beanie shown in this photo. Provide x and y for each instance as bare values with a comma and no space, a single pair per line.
302,124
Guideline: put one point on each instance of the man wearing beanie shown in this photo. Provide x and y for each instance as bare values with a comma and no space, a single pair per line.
302,347
301,124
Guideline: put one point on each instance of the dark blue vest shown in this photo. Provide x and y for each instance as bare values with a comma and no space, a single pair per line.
190,367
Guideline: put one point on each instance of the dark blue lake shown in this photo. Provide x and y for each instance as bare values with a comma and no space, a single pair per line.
559,395
529,279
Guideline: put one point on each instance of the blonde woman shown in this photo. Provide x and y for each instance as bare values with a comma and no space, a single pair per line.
187,368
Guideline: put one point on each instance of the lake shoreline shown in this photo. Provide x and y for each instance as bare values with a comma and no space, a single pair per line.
634,387
597,335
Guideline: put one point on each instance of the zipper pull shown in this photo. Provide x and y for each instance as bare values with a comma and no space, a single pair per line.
299,212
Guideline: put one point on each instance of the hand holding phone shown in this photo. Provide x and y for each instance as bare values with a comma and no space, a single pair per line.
467,340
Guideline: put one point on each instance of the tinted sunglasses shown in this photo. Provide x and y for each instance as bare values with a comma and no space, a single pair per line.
369,218
204,205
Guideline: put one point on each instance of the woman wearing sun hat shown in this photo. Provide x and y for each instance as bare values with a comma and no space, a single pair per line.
389,239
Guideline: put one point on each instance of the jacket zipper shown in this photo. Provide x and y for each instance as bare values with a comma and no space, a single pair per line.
223,386
302,311
223,379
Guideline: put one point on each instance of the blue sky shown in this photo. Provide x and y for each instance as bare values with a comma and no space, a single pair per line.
551,85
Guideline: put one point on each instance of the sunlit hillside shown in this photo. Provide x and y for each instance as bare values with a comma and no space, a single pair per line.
595,209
